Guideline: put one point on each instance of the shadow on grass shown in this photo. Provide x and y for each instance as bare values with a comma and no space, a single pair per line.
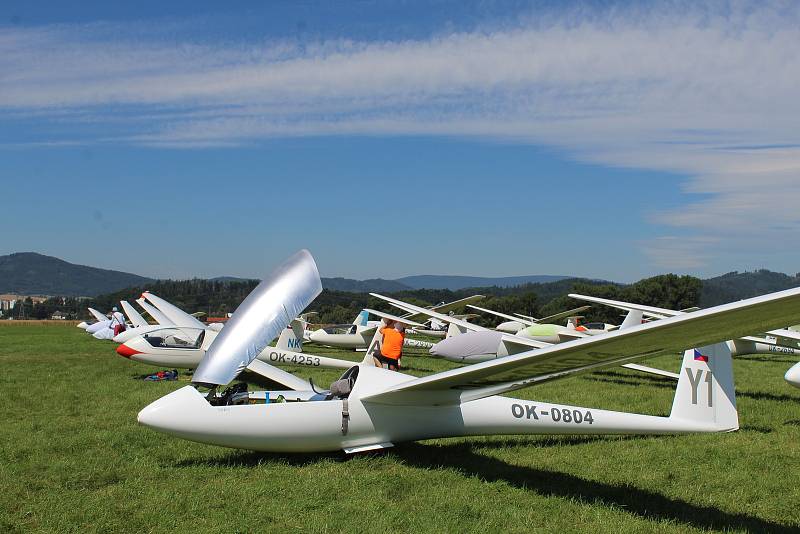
546,442
255,459
643,503
767,359
415,368
627,380
760,395
792,422
757,429
638,379
466,458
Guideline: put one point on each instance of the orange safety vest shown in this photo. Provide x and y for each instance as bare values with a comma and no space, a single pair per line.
392,345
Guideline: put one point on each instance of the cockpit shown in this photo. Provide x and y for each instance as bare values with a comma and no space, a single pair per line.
238,393
341,329
176,338
594,326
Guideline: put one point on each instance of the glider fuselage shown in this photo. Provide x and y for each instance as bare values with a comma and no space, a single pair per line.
319,425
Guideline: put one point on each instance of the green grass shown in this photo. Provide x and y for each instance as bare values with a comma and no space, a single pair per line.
74,459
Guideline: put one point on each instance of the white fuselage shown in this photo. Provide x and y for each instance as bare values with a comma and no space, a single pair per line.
358,340
793,375
139,349
317,425
341,341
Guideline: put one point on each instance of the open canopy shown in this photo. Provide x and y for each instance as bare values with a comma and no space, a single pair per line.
267,310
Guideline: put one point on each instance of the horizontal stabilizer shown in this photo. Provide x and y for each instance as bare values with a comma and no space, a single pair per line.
651,370
278,375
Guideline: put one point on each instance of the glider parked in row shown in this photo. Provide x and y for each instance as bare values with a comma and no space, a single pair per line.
471,343
358,335
184,348
543,329
373,408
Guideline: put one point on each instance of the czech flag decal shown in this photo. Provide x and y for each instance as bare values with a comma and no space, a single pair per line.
699,356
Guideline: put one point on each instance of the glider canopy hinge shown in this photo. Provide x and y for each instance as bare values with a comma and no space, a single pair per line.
345,416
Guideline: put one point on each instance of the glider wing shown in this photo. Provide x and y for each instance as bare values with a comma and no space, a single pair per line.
667,336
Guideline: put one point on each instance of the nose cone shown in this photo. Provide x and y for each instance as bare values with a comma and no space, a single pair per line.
125,335
177,413
126,351
793,375
510,327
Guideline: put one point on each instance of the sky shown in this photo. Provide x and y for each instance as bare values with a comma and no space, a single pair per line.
614,140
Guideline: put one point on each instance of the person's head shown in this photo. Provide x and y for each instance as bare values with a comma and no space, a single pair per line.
400,327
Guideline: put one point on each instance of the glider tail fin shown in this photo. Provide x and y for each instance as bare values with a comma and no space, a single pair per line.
374,347
291,337
633,318
705,395
362,318
454,330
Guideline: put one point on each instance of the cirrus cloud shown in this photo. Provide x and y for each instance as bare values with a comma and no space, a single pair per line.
710,94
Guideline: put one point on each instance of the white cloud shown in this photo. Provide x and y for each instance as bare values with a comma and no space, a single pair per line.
711,94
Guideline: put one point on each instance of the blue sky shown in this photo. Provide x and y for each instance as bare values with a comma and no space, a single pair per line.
610,140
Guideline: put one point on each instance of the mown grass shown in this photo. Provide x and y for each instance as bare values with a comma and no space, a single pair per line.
74,459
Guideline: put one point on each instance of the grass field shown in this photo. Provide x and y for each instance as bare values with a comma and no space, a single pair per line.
74,459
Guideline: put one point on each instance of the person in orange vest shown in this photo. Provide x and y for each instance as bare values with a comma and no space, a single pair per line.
394,334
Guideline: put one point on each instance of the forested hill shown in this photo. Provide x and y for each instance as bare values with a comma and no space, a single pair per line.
666,291
363,286
217,297
29,273
736,286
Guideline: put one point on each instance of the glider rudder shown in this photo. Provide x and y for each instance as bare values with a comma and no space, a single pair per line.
705,395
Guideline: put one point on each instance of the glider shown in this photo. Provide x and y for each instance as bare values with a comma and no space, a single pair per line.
374,408
541,329
184,348
471,343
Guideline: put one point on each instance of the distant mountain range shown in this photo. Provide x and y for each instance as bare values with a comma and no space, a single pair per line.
424,281
364,286
29,273
454,283
342,284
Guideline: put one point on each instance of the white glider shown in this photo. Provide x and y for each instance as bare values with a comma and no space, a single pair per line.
373,408
541,329
471,343
184,348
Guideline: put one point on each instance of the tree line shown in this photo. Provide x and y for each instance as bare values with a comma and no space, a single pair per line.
216,298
